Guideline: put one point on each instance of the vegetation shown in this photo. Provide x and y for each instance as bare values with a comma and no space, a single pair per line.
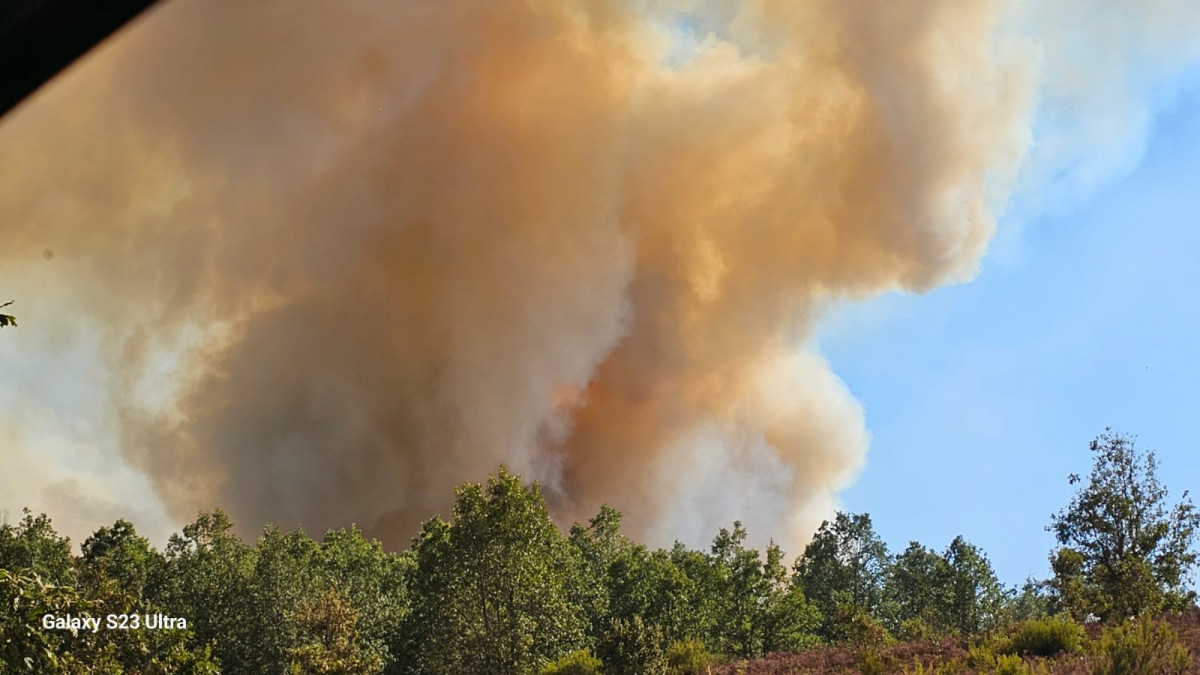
1124,550
576,663
497,588
7,319
1142,647
1045,637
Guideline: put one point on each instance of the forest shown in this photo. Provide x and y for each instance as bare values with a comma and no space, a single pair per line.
499,588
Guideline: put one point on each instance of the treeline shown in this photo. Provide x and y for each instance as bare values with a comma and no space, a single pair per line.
498,588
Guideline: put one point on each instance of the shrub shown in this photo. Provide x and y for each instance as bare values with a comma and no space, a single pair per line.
688,657
1010,664
872,663
1045,637
576,663
981,657
915,630
1141,647
632,648
951,667
856,626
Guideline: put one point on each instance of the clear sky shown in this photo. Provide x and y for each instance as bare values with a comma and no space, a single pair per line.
981,398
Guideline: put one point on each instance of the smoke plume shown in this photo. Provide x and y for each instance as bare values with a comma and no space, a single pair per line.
319,262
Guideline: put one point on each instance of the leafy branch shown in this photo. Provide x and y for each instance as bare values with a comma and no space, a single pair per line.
7,319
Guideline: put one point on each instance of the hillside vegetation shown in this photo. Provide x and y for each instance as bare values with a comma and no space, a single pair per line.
498,588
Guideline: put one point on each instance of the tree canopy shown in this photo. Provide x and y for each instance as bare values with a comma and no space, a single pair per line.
1124,549
496,587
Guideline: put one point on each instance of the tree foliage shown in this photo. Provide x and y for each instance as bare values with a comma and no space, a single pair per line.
1123,549
632,648
843,567
497,588
491,588
329,641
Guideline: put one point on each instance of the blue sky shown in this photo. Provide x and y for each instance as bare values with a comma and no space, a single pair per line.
981,398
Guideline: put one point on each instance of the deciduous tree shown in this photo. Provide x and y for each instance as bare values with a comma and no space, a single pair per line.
491,586
1124,549
842,568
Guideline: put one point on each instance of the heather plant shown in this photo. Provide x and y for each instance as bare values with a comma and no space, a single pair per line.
1045,637
1142,646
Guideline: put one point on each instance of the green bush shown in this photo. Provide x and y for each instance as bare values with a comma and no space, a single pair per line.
632,648
1045,637
688,657
1010,664
576,663
1141,647
981,657
872,662
856,626
955,666
915,630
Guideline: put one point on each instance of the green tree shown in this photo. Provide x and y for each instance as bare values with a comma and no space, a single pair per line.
786,620
1033,600
491,588
24,645
703,587
207,579
1123,549
117,556
282,580
842,570
329,642
7,319
376,584
598,546
632,648
740,588
758,609
915,588
34,545
113,570
649,584
974,596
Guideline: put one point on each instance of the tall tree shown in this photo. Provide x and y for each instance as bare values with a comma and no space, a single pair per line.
115,566
491,588
207,578
376,584
915,588
34,545
786,620
598,546
740,587
1123,549
843,568
282,580
7,319
648,584
974,596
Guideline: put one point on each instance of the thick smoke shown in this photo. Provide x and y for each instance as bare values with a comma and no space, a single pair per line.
339,257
